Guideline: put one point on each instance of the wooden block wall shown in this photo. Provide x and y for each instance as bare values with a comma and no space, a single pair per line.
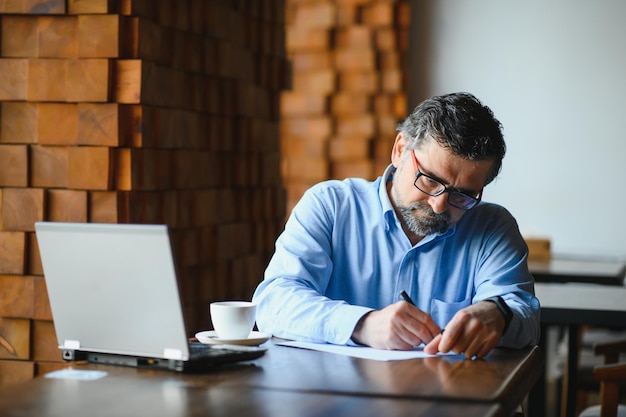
134,111
348,90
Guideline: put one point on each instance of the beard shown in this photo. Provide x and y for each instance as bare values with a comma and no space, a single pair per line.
419,217
422,220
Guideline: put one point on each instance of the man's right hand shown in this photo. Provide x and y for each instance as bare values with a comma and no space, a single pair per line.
399,326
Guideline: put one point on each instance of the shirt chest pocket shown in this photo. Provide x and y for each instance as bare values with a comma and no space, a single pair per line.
443,311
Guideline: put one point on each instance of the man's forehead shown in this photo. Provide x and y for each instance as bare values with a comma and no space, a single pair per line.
453,170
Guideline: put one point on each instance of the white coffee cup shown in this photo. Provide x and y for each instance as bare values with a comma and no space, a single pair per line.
233,320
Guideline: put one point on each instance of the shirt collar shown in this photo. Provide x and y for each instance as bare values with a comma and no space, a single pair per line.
385,202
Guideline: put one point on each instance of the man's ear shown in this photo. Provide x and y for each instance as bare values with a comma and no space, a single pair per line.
399,145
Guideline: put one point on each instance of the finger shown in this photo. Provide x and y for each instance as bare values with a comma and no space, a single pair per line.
449,337
433,329
402,338
409,336
474,348
418,326
484,351
424,327
457,332
455,339
406,328
487,346
433,347
460,346
424,334
400,345
460,332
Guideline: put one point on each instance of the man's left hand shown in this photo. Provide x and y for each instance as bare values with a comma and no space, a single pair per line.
473,331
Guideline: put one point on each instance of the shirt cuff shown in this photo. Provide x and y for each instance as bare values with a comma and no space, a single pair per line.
344,322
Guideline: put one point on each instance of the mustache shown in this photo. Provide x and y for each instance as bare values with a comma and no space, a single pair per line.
422,220
425,208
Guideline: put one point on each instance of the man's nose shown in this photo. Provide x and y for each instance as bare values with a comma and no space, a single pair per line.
439,204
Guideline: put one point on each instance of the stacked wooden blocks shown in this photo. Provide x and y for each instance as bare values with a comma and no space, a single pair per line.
348,90
134,111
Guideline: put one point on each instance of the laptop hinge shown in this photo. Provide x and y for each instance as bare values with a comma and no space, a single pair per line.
71,344
169,353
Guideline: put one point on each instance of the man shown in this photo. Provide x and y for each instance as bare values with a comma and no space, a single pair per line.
351,247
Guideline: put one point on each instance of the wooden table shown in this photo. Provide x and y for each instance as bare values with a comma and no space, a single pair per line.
573,305
582,304
596,271
292,382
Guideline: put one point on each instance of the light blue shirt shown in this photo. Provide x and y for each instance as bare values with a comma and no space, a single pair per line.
343,253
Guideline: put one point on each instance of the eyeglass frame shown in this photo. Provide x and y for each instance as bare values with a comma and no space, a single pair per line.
445,189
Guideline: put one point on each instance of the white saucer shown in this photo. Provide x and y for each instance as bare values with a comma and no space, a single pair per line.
210,337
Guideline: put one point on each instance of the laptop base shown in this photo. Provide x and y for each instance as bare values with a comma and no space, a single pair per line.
215,357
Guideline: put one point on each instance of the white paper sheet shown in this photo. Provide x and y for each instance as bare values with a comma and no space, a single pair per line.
361,351
84,375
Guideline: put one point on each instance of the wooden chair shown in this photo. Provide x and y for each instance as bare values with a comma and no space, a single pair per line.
611,375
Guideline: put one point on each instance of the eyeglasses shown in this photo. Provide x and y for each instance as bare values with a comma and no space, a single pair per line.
432,187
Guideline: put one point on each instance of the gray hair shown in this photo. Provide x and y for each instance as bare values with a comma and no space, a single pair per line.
458,122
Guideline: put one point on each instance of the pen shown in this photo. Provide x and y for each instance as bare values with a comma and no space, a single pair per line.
406,298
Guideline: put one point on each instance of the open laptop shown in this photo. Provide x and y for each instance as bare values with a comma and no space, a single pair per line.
115,300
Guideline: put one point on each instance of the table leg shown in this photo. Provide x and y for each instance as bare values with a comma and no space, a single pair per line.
572,370
537,396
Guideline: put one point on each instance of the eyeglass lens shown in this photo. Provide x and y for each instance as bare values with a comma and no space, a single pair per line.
433,187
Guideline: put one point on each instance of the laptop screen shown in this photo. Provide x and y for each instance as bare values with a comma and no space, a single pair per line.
113,288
